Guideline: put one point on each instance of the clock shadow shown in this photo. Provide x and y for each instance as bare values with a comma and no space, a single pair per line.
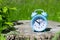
46,30
58,25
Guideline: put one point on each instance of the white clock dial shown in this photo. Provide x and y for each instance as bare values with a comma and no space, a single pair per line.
39,24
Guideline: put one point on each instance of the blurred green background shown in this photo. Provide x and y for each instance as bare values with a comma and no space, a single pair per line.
26,7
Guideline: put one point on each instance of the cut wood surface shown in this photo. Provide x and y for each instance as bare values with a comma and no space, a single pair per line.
26,27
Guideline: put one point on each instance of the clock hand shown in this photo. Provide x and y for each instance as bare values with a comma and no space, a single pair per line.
38,22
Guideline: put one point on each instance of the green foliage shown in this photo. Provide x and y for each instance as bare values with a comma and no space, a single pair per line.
4,15
13,8
9,23
2,37
0,17
57,36
1,1
4,9
26,7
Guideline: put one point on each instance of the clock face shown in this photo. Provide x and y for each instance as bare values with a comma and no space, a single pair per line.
39,23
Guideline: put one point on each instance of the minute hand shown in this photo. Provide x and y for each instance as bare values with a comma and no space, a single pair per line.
38,22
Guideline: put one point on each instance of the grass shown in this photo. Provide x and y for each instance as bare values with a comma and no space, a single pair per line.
2,37
26,7
57,36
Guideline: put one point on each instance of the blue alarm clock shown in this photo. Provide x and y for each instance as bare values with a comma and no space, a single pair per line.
39,21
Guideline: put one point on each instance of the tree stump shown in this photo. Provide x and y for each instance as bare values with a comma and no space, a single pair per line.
26,32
